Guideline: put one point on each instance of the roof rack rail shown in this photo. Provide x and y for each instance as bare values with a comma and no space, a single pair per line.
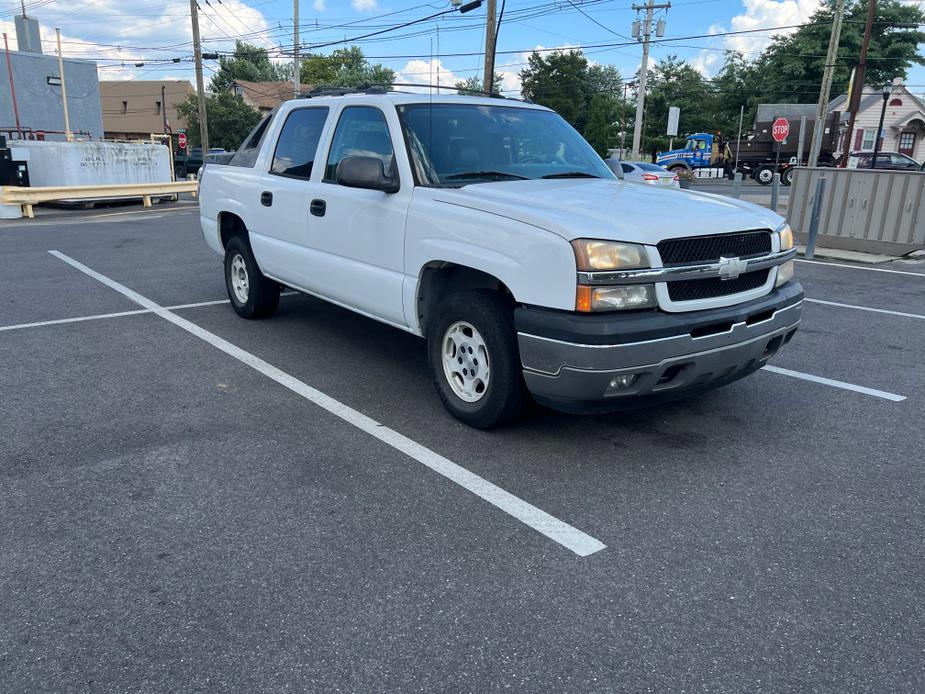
344,91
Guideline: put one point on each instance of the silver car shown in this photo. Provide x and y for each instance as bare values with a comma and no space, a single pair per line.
644,172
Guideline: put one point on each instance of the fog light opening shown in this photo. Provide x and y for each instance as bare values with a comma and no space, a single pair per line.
622,382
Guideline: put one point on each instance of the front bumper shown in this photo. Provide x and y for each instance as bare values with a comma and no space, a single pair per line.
570,360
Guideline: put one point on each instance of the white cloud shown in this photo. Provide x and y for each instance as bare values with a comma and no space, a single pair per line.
364,5
319,6
425,72
757,14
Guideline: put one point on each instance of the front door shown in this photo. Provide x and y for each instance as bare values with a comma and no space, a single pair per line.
907,143
357,236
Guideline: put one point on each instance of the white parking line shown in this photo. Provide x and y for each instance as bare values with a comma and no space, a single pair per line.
78,319
866,308
893,397
858,267
569,537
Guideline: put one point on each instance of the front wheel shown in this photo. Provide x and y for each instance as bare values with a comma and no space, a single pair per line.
786,176
473,356
252,295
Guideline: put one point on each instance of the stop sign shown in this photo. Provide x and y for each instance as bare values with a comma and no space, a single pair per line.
181,140
780,129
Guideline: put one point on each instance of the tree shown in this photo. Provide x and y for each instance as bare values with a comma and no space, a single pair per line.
248,62
473,86
791,67
344,67
230,120
599,131
674,82
565,82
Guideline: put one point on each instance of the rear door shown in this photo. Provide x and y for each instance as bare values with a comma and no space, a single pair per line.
357,235
282,198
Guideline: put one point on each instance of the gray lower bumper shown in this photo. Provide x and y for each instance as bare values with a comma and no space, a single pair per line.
556,370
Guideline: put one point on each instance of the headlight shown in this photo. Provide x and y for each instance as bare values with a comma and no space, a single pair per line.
784,273
591,255
631,296
786,237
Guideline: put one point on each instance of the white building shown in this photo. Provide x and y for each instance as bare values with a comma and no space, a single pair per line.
903,123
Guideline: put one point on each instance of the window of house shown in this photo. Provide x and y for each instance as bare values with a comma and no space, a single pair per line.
157,107
361,131
868,141
896,102
124,107
907,141
298,143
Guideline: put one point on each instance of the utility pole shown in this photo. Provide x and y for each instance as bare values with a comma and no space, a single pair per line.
857,84
649,7
826,88
296,78
67,123
490,35
200,89
164,106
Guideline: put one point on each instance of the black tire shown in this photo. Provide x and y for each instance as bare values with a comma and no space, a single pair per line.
786,176
505,397
261,295
764,175
679,169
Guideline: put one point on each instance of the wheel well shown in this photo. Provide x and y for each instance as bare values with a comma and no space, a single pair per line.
439,279
231,225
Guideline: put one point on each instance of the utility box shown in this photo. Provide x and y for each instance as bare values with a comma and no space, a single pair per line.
96,163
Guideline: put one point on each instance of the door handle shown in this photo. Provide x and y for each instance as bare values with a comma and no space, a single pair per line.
318,208
266,198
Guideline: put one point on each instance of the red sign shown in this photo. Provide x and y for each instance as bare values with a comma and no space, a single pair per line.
181,140
780,129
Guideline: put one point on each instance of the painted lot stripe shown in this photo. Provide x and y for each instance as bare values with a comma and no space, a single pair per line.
553,528
893,397
99,316
866,308
858,267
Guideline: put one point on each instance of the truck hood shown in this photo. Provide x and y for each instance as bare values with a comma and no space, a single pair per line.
613,210
672,154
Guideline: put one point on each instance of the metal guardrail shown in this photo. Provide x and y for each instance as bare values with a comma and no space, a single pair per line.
27,197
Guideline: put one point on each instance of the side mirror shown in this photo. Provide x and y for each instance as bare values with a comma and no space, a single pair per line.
365,172
615,166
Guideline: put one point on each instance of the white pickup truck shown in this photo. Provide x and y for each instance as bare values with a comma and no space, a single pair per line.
489,227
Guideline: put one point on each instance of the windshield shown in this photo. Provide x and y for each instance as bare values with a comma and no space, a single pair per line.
459,144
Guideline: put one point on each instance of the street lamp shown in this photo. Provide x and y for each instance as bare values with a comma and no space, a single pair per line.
887,89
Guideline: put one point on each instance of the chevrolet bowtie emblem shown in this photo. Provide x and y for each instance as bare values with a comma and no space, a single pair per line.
730,268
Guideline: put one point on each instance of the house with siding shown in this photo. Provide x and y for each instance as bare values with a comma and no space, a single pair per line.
903,123
265,96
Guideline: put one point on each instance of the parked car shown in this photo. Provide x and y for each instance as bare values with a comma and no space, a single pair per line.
651,174
893,161
490,228
184,164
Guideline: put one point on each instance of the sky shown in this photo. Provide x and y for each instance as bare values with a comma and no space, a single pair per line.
120,33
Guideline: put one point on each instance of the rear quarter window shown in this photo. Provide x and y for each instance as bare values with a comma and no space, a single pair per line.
250,148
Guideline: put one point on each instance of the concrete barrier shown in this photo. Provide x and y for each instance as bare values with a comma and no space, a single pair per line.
862,209
27,197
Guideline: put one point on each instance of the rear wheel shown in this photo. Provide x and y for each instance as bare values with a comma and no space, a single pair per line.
474,359
252,295
786,176
764,175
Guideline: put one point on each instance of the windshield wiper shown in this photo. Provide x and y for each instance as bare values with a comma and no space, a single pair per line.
485,174
571,174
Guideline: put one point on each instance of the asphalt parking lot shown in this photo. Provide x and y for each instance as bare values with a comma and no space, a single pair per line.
194,502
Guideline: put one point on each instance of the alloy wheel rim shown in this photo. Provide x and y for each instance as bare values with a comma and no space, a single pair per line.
239,280
465,361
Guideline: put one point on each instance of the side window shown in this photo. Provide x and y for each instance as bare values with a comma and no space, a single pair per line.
361,131
298,142
627,168
247,152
